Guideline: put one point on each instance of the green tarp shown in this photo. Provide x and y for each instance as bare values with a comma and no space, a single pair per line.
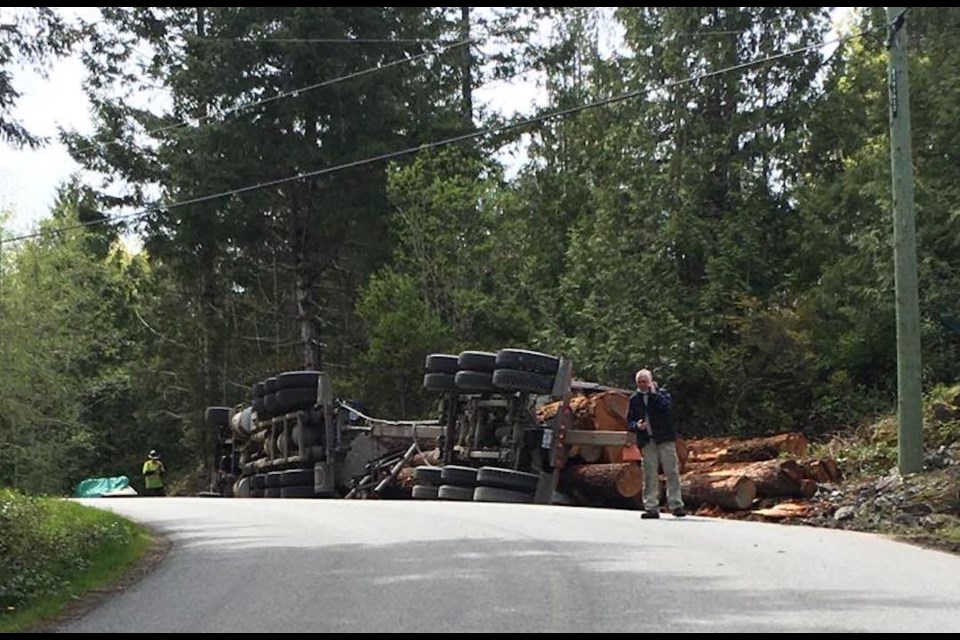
96,487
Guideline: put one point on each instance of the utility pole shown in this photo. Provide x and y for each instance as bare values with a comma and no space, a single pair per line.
909,418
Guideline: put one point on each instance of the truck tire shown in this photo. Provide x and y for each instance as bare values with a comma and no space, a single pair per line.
426,475
270,403
218,416
256,493
258,482
523,360
272,492
476,381
298,491
298,380
295,399
477,361
296,477
273,480
450,492
493,494
269,386
257,391
507,479
241,488
441,363
440,382
458,476
525,381
425,492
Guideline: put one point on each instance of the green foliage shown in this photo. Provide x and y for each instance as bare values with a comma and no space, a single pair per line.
46,544
78,397
402,331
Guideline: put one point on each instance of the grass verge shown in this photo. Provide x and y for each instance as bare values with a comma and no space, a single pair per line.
53,551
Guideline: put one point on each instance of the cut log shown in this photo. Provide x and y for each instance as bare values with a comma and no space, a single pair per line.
813,470
707,450
773,478
794,444
785,510
732,493
822,471
591,453
832,468
598,483
606,411
807,488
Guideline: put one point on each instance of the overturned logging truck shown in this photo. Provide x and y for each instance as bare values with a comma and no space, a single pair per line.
492,439
512,426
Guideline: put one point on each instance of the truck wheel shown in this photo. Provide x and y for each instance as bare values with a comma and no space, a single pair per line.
507,479
458,476
441,363
218,416
298,380
272,492
493,494
294,399
440,382
425,492
296,477
273,480
525,381
450,492
475,381
427,476
523,360
241,488
270,403
269,386
300,491
477,361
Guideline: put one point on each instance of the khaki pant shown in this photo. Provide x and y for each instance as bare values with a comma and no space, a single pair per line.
655,455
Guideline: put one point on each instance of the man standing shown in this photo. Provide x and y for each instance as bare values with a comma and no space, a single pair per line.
153,472
650,416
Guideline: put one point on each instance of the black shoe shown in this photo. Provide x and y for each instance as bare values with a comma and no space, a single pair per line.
650,515
679,513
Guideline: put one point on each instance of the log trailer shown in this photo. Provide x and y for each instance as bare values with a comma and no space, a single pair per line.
296,439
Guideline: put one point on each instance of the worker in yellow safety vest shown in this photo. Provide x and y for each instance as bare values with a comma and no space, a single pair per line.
153,473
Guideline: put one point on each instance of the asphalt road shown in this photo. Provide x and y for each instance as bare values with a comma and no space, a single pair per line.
359,566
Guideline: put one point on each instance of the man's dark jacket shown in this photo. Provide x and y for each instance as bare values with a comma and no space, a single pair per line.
658,412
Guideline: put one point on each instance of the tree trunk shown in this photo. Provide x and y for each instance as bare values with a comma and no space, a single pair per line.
606,411
599,483
733,493
591,453
774,478
730,450
306,318
466,70
822,471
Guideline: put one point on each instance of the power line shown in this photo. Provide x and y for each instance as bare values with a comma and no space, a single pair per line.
440,143
290,93
255,40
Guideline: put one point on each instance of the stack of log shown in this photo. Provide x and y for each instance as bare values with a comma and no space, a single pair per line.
771,477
